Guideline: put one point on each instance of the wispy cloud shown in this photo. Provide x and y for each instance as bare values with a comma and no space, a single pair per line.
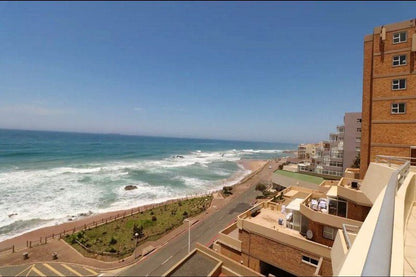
138,109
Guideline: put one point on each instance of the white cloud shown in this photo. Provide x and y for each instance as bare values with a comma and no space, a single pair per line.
138,109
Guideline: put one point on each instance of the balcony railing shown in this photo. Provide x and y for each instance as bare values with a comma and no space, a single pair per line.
378,259
347,229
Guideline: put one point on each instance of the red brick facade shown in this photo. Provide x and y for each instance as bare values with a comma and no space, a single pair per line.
256,248
385,133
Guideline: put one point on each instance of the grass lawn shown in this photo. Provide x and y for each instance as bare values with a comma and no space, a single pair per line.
300,176
118,236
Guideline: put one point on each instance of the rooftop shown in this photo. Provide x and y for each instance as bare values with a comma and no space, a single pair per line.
203,261
268,217
300,177
197,264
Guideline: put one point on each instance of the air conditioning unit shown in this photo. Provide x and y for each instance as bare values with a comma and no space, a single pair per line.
354,185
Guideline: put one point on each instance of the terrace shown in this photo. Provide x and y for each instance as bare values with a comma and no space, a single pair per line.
281,221
349,188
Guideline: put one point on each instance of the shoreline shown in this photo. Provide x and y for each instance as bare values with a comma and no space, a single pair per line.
20,240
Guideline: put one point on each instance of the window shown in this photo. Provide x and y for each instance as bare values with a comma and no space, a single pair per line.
357,149
399,37
399,60
309,260
398,108
337,164
328,233
359,120
358,139
359,130
398,84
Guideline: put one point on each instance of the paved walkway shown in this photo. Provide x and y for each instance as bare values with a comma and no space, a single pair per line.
205,232
48,269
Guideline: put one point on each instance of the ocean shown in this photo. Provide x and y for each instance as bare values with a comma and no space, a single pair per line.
49,177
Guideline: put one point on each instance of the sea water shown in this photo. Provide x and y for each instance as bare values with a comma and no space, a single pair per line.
49,177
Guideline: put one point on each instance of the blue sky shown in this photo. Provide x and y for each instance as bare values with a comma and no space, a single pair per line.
264,71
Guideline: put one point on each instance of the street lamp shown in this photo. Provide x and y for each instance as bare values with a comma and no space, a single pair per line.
136,235
189,234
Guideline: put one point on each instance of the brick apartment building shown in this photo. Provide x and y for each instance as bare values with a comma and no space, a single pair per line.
389,93
264,241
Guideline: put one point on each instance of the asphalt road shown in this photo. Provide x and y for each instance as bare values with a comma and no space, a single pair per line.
203,232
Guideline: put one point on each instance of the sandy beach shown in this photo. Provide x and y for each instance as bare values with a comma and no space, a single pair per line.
21,241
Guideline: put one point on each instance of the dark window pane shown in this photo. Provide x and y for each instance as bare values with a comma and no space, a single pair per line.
402,83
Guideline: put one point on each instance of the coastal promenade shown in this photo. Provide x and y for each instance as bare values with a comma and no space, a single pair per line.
221,212
204,232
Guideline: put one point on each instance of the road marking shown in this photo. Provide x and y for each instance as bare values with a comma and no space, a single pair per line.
53,270
72,270
37,271
27,274
90,270
167,260
26,268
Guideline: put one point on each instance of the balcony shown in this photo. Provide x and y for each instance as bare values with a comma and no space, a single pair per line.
343,241
349,188
324,216
263,219
379,249
229,237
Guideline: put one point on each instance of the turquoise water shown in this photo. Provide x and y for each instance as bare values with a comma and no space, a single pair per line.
49,177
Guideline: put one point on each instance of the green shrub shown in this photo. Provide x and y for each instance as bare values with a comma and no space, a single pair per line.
112,241
261,187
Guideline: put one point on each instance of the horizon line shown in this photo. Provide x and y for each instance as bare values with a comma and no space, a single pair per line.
150,136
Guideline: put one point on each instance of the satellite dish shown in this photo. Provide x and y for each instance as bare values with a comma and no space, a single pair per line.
309,234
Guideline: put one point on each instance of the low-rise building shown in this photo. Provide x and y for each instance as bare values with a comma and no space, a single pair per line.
331,159
293,233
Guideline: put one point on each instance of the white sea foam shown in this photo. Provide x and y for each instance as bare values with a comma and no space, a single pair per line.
55,194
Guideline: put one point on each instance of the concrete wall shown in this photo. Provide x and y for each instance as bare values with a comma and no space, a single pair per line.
327,219
377,177
338,252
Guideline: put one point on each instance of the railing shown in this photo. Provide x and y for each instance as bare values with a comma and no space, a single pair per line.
378,259
346,229
393,159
